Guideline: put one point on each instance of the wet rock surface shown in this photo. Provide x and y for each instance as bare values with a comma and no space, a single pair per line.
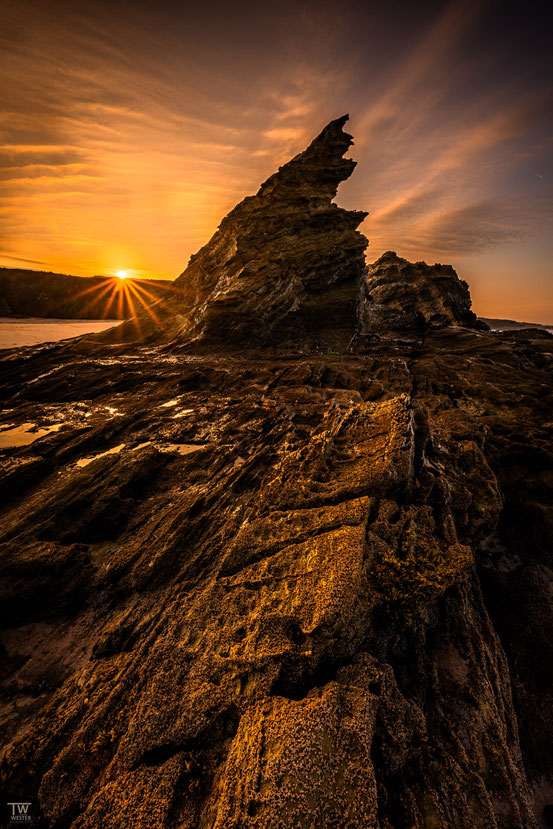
292,584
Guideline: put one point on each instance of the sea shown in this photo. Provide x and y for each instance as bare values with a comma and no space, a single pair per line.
33,330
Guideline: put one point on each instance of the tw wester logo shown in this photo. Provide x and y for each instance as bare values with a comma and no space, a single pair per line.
20,812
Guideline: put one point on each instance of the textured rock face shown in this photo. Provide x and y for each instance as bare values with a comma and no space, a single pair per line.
403,297
271,589
285,264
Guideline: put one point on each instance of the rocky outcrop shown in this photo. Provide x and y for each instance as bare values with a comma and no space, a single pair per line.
407,298
286,262
284,265
267,589
287,266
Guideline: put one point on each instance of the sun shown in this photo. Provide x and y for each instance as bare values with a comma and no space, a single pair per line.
125,296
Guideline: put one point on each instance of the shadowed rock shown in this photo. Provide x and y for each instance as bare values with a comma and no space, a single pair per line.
406,298
285,262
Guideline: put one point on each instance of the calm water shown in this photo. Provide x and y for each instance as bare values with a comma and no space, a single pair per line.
33,330
23,435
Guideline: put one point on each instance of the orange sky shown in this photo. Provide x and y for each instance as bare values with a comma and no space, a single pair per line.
128,130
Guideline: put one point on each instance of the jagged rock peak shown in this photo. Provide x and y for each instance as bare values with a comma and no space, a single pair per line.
285,263
321,166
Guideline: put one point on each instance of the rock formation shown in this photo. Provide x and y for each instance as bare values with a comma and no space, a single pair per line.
282,585
286,259
404,297
285,264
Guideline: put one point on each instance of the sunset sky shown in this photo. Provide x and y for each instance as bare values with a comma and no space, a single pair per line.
129,129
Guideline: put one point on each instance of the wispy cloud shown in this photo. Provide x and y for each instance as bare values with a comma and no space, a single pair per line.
475,228
6,256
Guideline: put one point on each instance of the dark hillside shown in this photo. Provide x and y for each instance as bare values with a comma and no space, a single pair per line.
25,293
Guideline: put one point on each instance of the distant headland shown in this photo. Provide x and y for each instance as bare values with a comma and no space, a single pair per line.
26,293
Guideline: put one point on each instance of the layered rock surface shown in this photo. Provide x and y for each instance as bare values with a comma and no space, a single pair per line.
282,587
403,297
